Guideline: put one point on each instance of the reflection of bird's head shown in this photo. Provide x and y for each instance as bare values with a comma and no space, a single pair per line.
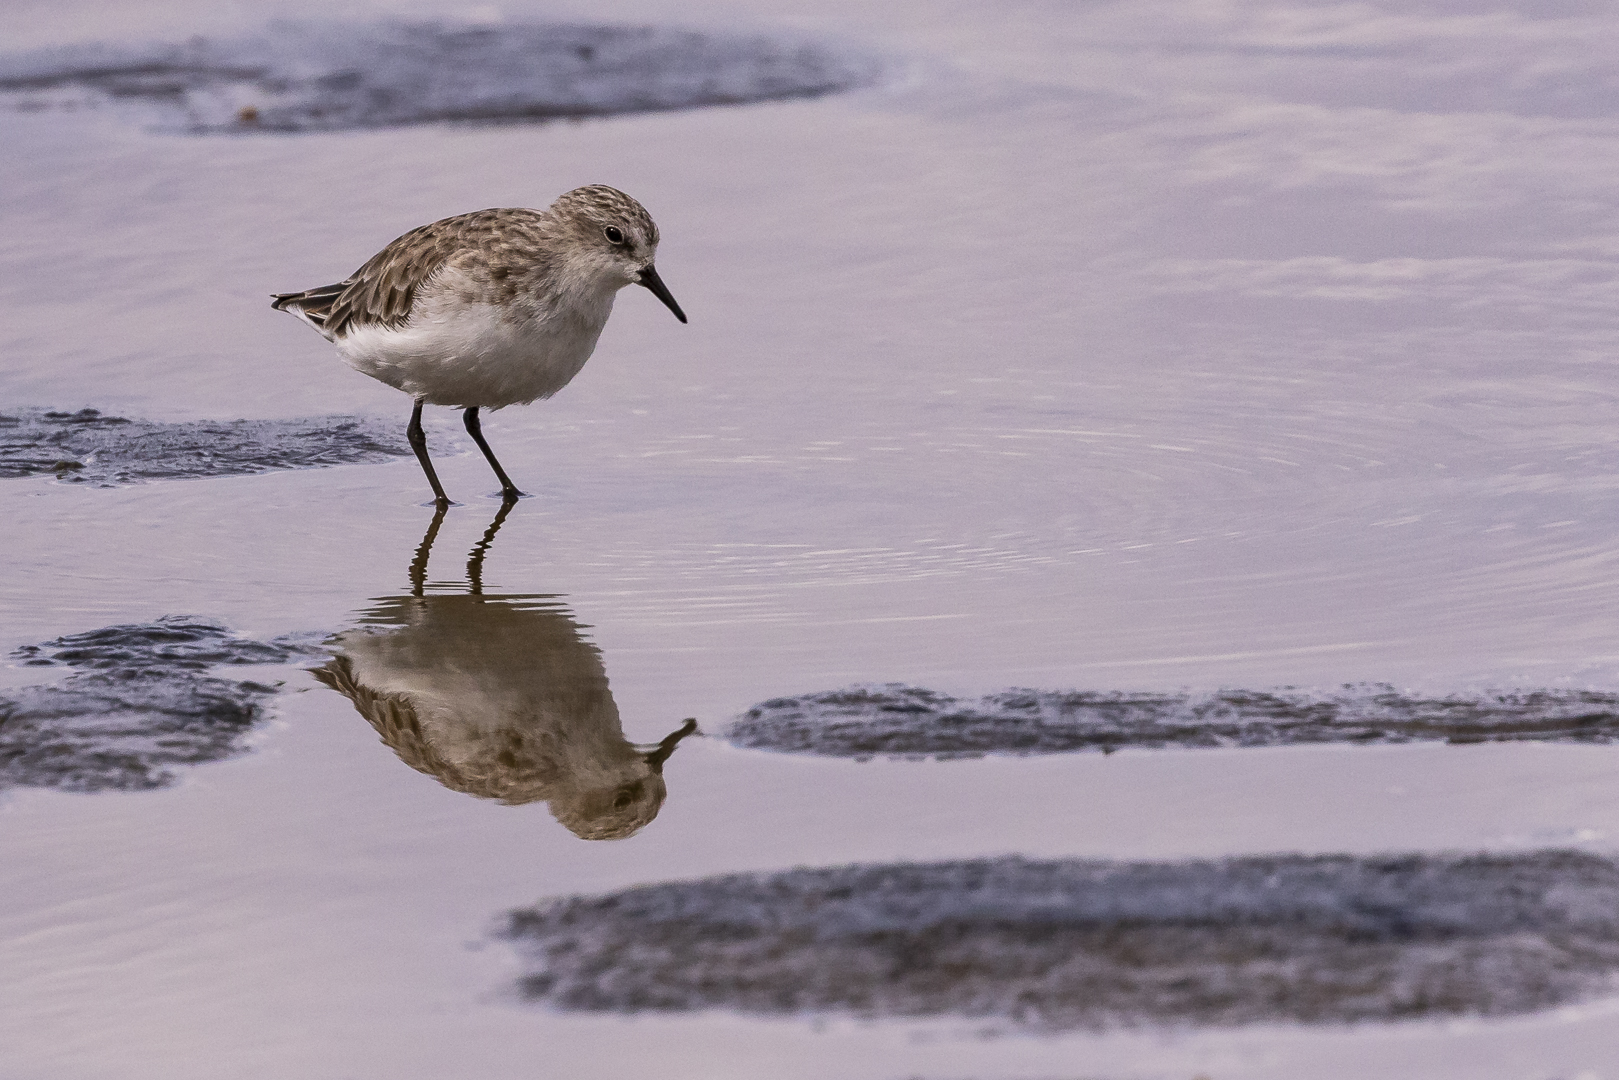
501,698
608,812
613,812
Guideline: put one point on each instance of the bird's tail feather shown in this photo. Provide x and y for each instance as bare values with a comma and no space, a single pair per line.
312,305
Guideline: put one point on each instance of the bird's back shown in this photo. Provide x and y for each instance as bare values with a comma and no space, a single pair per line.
383,292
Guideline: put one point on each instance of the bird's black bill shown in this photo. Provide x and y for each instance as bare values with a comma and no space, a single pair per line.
650,278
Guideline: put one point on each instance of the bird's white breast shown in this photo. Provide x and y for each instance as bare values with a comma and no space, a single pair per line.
462,352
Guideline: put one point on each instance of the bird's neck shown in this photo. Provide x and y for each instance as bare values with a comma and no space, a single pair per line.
585,297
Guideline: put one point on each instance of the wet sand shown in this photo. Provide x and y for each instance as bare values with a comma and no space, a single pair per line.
865,721
140,703
1058,945
333,76
84,447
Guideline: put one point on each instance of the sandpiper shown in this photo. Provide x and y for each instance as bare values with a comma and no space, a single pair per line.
488,309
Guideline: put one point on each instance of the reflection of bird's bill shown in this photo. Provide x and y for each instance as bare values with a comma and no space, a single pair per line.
657,754
650,278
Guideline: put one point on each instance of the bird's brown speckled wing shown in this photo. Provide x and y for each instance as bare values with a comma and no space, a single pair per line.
381,292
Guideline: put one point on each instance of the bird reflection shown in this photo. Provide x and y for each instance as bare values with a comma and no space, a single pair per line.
501,698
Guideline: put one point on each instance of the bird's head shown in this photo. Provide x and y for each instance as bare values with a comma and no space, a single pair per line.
614,239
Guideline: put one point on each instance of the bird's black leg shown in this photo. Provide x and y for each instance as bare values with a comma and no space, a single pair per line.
508,490
418,443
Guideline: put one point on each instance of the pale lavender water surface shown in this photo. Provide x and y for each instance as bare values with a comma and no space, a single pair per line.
1112,346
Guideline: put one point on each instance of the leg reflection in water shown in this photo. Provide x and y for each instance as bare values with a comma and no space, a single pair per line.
499,697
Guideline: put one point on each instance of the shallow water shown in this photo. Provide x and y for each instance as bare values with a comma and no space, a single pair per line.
1152,349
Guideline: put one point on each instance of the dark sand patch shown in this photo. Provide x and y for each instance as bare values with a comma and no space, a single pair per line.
326,77
1090,944
901,720
106,451
139,703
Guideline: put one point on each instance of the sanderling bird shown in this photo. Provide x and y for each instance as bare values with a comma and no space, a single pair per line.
488,309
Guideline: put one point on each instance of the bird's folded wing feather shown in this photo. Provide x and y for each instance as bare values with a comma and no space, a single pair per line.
381,292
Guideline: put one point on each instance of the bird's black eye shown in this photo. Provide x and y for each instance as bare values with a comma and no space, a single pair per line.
614,235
